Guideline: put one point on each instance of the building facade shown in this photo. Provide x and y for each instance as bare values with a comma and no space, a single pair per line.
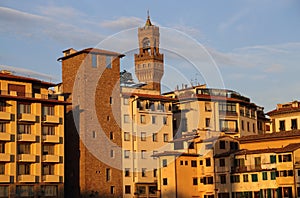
31,138
91,80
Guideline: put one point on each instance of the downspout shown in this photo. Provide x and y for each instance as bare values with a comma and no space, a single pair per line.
132,146
294,176
175,176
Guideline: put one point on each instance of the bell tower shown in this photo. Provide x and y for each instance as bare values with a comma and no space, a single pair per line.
149,63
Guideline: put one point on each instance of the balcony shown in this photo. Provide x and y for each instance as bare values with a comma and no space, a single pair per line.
51,119
26,137
51,178
26,117
51,158
26,178
5,115
250,168
4,178
5,136
26,158
4,157
51,138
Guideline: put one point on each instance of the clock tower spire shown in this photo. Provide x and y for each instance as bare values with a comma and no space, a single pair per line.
149,63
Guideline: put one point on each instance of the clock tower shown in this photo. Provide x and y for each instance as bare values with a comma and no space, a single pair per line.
149,63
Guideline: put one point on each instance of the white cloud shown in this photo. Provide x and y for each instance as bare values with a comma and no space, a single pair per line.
122,23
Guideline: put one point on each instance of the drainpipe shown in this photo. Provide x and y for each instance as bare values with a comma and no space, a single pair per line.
132,145
175,176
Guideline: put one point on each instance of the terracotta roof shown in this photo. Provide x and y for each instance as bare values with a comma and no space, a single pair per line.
283,110
174,153
149,96
270,136
24,79
93,51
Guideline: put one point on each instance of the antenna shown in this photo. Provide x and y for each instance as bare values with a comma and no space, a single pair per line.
148,14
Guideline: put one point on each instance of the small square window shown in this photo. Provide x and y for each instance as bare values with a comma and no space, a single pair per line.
245,178
126,154
112,190
108,62
194,163
126,136
165,120
153,119
127,189
126,118
154,137
195,181
143,136
127,172
164,163
143,119
166,137
143,154
94,61
144,172
165,181
207,162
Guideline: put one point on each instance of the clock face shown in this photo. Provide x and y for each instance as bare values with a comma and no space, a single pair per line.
146,42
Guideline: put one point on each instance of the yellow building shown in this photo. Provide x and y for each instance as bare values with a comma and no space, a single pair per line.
31,138
285,117
227,111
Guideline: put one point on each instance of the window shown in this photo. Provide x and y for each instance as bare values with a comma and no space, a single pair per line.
152,190
48,130
144,172
126,101
108,62
48,169
248,126
24,129
257,162
273,175
112,153
222,144
235,178
23,169
127,172
164,163
195,181
2,168
126,136
207,180
111,135
111,100
254,177
94,134
108,174
186,163
24,108
49,190
141,190
2,127
181,162
201,162
194,163
155,172
24,148
222,162
143,136
272,159
2,107
94,60
48,149
112,190
24,191
245,178
143,119
165,181
223,179
127,189
294,124
264,176
154,137
153,119
207,162
282,125
2,147
285,158
243,127
254,128
143,154
207,106
126,154
126,118
207,122
47,110
165,120
166,137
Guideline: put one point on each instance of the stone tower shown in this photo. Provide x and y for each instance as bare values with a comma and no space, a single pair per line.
149,63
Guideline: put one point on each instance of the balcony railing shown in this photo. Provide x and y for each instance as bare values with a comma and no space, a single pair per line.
5,115
4,157
4,178
51,119
51,138
5,136
27,117
26,137
250,168
50,178
26,178
26,158
51,158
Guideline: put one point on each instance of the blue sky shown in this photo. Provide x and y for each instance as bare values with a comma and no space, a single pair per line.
255,44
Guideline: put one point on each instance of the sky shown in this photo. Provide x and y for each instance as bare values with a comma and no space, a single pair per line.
250,46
